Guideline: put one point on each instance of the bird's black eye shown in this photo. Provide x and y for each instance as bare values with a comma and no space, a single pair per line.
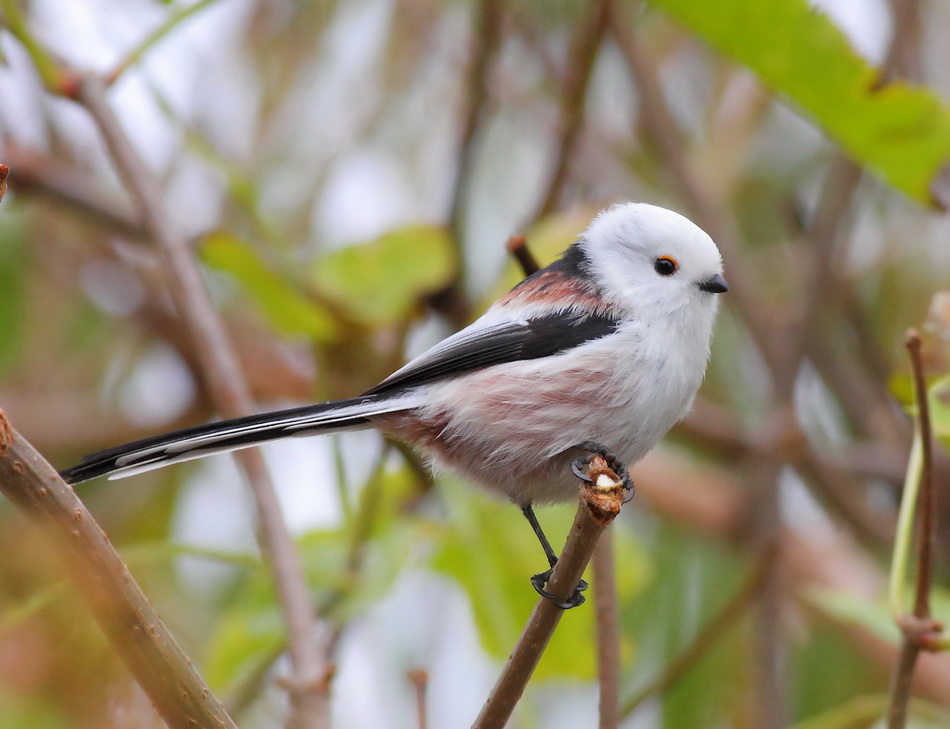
665,265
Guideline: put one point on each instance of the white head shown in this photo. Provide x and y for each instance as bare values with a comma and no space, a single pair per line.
653,262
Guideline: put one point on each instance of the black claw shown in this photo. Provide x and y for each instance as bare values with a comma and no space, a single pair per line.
579,469
539,580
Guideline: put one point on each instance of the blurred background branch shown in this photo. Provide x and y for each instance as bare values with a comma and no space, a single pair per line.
345,175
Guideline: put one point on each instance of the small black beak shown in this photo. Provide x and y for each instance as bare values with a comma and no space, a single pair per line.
716,285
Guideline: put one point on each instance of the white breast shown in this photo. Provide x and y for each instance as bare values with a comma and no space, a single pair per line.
505,426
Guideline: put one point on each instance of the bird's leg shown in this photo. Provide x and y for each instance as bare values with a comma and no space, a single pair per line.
579,465
541,579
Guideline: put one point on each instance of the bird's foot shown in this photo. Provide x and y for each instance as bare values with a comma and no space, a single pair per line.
539,581
579,466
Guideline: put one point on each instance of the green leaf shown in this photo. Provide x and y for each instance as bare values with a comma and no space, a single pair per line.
287,310
382,282
851,609
939,401
858,713
14,272
901,131
868,712
243,634
17,712
490,550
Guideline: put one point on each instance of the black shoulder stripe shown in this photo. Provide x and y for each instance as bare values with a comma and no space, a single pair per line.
559,332
541,336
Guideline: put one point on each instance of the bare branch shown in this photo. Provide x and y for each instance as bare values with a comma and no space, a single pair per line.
171,23
600,502
583,53
486,41
124,613
518,248
607,625
69,188
232,398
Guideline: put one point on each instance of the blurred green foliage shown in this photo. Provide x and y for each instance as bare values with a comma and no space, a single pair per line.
69,361
900,130
383,281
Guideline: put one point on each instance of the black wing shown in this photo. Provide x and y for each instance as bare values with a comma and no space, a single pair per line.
477,346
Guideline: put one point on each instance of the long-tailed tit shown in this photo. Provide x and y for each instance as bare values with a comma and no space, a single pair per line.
602,350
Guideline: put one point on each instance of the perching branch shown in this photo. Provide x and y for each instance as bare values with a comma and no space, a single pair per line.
919,629
600,502
230,393
120,607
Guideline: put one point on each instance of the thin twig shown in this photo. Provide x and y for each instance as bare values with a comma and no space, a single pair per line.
153,38
69,188
919,630
607,625
486,40
583,53
232,398
518,249
124,613
56,78
599,503
727,616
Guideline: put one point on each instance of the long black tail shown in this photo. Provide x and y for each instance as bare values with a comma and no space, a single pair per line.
227,435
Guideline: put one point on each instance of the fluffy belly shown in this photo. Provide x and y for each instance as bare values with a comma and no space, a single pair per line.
514,428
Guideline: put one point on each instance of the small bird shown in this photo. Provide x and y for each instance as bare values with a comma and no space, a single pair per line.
600,352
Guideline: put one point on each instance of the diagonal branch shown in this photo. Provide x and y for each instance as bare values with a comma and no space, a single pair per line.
486,41
232,398
156,36
124,613
583,53
600,502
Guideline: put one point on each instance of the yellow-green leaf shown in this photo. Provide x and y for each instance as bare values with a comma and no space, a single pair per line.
287,310
900,130
383,281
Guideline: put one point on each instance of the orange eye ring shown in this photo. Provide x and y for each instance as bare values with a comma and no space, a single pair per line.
665,265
